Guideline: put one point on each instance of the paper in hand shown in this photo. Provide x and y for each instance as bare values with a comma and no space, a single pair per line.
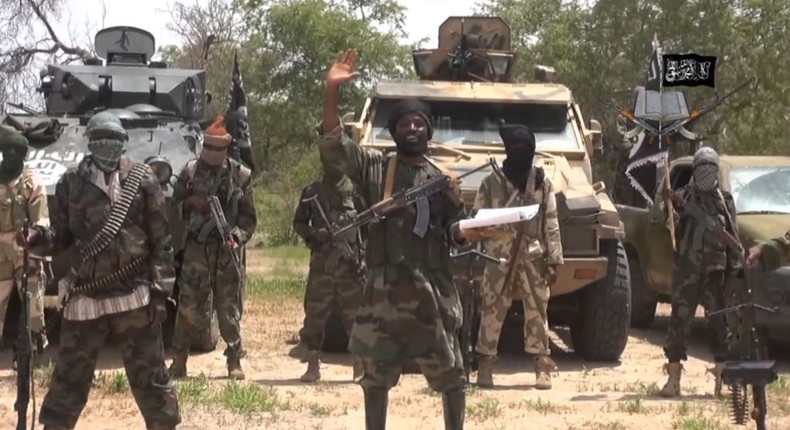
491,217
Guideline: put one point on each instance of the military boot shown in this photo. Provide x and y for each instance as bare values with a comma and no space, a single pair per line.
485,369
234,369
313,372
376,400
716,372
178,368
359,371
454,405
672,387
544,365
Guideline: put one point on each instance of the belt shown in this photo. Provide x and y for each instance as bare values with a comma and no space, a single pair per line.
122,275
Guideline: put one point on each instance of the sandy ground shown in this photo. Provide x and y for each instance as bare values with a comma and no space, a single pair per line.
585,396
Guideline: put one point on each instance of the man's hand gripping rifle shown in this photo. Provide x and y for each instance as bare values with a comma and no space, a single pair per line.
752,367
340,241
470,305
403,199
225,231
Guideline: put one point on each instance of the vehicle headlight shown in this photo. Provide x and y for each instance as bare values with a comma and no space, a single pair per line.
161,168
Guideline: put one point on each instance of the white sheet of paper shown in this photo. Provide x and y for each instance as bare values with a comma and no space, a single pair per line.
490,217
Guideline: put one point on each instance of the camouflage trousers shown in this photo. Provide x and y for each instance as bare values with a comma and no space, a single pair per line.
324,290
207,273
495,304
9,285
143,359
387,374
690,287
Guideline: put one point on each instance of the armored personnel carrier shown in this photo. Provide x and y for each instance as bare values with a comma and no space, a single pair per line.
468,82
161,109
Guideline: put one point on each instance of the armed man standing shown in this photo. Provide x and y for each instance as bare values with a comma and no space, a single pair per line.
22,198
111,210
534,249
209,268
703,264
333,276
410,309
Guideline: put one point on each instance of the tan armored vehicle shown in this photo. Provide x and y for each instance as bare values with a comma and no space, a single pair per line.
468,83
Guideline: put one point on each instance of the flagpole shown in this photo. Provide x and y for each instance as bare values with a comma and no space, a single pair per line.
667,185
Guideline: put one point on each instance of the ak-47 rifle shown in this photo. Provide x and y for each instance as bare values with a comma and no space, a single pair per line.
752,368
340,241
470,308
402,199
24,349
696,113
225,232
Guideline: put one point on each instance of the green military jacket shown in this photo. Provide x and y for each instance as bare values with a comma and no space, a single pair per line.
232,184
24,197
337,202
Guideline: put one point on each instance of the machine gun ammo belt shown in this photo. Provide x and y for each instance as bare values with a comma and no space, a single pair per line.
114,222
122,275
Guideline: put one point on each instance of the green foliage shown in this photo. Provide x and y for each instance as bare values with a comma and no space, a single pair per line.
276,288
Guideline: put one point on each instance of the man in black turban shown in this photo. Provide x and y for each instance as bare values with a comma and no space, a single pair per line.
520,149
411,127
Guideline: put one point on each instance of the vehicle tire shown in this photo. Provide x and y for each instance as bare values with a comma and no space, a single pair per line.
208,340
643,299
600,331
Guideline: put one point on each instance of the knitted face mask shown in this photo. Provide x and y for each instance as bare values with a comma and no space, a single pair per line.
106,153
706,177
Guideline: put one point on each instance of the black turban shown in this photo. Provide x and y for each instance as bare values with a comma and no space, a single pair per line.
517,133
406,107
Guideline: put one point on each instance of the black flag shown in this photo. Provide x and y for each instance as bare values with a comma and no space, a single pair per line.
236,119
689,70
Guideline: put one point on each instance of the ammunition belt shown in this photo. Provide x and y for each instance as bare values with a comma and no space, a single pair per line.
114,222
122,275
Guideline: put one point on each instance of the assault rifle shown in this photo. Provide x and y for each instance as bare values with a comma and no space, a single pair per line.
225,231
470,308
718,230
24,339
340,240
402,199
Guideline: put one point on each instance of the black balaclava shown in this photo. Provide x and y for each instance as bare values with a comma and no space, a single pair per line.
14,147
520,149
410,144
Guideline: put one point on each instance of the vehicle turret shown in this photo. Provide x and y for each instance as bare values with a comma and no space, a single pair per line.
124,78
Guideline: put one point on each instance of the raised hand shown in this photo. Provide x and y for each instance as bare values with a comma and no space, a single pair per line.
342,69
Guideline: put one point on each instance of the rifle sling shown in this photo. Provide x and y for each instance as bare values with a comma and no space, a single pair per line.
113,224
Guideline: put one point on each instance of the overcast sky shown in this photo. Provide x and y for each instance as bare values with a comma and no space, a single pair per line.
422,18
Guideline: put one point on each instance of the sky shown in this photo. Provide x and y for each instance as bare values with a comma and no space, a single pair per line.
423,17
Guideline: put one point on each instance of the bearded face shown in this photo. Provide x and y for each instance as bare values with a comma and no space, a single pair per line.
411,134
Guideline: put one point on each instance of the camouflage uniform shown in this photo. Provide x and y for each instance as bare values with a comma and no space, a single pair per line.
207,270
332,277
20,198
702,265
411,309
541,249
123,309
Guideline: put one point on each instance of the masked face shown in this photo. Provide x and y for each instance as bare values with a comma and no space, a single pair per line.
706,176
411,135
106,153
519,157
213,155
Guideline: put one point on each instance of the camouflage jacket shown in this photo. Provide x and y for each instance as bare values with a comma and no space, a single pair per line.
338,204
232,184
24,197
698,247
81,205
776,252
390,241
541,234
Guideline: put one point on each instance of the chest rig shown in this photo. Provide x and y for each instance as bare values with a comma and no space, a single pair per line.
415,234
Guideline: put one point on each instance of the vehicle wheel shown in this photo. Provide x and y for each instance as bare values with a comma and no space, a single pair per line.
600,331
208,340
643,299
